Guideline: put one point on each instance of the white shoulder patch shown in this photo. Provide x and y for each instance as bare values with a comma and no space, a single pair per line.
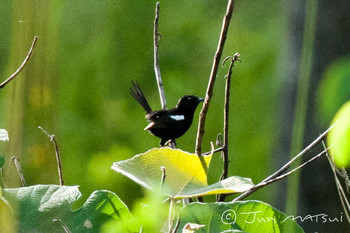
177,117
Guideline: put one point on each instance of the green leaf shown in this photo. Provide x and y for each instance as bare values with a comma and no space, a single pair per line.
333,90
2,161
184,173
339,137
39,207
4,135
245,216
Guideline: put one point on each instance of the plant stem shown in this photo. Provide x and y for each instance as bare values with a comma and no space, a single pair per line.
214,70
302,98
156,59
57,153
3,84
288,164
226,121
343,199
19,170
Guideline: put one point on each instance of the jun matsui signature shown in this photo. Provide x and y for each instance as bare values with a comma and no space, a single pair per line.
230,217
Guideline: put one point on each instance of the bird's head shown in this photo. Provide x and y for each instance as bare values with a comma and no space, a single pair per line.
189,103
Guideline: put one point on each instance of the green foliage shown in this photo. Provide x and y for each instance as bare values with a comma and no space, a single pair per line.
184,174
333,91
38,208
339,137
246,216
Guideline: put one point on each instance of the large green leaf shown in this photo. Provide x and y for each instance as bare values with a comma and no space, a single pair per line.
246,216
39,208
339,137
184,173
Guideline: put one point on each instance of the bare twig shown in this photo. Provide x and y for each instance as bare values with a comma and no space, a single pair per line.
23,64
57,153
225,157
342,195
156,59
213,151
288,164
156,36
214,70
278,178
260,185
15,161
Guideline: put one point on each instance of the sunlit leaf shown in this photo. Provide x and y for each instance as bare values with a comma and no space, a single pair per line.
45,208
4,135
184,173
339,137
245,216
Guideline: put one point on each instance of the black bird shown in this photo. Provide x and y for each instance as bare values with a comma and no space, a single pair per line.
168,124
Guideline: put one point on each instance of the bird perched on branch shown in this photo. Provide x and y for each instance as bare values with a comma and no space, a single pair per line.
167,124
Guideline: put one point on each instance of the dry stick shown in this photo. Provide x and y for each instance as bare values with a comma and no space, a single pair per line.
226,120
23,64
57,153
156,36
287,165
19,170
156,59
343,199
263,184
214,70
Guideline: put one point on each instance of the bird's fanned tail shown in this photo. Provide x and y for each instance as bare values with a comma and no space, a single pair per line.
140,97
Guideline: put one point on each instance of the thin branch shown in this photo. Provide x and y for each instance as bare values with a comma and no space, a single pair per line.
217,57
278,178
2,85
171,210
343,199
57,153
213,151
225,157
156,59
156,36
15,161
292,171
288,164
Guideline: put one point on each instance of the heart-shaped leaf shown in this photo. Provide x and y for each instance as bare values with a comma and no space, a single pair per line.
185,173
47,208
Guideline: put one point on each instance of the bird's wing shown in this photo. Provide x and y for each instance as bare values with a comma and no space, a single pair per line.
162,119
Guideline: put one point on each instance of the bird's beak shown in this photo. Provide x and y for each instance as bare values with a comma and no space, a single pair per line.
200,99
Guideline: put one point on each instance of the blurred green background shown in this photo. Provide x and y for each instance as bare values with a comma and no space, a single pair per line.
76,86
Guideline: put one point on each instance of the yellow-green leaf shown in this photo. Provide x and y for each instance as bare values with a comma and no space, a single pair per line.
185,175
339,137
